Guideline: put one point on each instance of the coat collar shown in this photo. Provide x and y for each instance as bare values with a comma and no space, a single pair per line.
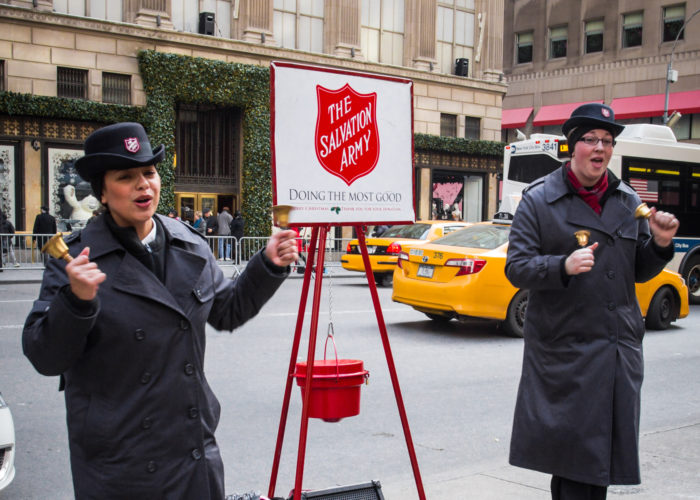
578,213
183,266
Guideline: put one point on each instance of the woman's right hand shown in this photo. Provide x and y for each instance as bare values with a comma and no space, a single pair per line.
84,276
581,261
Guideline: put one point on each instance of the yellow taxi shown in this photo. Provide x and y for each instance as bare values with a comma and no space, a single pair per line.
463,275
384,250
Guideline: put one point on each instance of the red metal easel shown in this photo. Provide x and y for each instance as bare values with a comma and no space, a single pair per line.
315,262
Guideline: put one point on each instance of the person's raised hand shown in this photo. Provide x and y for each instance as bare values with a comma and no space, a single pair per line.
282,248
84,276
581,261
663,227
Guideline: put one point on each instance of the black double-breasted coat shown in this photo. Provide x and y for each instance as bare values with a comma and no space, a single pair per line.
141,415
578,403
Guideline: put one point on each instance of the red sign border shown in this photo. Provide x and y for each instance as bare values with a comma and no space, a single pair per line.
360,74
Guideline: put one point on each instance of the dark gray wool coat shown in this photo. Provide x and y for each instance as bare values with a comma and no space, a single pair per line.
141,415
577,409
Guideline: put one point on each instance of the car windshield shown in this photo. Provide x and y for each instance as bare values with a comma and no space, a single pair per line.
485,236
412,231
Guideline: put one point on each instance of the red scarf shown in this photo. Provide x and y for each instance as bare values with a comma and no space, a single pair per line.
591,196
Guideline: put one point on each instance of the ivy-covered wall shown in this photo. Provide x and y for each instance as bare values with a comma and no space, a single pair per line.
171,78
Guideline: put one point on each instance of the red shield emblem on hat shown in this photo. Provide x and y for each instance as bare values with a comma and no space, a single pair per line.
605,112
132,144
347,141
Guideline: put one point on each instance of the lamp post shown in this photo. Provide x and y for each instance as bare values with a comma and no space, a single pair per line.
671,75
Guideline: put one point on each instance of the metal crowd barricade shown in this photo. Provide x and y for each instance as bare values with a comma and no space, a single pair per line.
22,250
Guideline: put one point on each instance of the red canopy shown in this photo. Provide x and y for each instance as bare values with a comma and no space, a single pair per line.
556,113
514,118
653,105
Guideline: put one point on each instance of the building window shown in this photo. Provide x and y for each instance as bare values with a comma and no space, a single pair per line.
524,47
2,76
448,125
455,33
185,15
593,36
207,141
632,29
72,83
298,24
116,89
674,17
111,10
688,127
558,38
383,31
472,127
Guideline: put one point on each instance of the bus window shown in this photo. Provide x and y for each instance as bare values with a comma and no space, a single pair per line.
527,168
670,193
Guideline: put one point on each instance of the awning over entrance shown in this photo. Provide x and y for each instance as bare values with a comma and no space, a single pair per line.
653,105
514,118
556,114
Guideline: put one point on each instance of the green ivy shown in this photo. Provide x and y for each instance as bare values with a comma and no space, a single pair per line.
169,79
458,145
63,108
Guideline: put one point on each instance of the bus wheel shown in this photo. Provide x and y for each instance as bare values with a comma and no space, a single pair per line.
691,274
662,310
514,324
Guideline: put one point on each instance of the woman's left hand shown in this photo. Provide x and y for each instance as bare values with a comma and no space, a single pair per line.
282,248
663,226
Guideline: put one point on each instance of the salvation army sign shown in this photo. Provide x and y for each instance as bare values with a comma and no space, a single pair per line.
342,145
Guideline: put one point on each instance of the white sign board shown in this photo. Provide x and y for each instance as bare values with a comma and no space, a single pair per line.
342,145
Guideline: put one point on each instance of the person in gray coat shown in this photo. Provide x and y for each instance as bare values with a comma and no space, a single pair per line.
123,324
578,403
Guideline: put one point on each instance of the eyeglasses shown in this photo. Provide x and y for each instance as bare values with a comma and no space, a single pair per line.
591,140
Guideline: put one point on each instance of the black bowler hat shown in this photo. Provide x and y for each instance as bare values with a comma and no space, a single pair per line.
117,147
590,116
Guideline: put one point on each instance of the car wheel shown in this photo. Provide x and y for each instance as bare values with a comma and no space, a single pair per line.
384,279
514,324
439,318
662,310
691,274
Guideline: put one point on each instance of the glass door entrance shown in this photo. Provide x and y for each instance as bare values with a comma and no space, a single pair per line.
187,203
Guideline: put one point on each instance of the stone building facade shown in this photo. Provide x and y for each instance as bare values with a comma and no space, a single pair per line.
559,53
52,50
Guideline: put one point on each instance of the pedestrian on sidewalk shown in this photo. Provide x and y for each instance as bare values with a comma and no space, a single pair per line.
7,241
123,324
44,228
578,404
224,221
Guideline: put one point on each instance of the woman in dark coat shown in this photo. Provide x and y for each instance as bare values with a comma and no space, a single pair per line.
124,326
577,410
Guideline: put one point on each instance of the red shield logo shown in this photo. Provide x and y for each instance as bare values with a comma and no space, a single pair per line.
132,144
347,141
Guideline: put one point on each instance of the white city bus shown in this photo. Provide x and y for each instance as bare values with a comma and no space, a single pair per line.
665,173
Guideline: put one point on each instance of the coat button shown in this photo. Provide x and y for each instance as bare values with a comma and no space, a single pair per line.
196,454
184,325
611,306
193,412
151,467
189,369
146,423
198,293
611,275
145,377
618,233
139,334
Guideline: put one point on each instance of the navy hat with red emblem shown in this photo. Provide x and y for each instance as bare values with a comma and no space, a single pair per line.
117,147
591,116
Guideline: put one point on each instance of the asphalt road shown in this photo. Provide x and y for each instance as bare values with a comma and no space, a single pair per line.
458,382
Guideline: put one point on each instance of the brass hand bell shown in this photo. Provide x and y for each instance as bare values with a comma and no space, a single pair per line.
582,237
642,211
280,215
57,248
